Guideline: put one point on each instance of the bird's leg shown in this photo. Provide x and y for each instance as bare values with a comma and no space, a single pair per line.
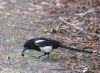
45,53
48,55
41,55
23,52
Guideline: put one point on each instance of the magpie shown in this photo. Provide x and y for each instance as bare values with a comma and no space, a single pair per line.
46,45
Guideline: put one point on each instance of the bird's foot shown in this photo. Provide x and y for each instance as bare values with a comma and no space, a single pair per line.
47,58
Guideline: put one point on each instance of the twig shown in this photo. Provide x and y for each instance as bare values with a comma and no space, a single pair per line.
91,10
76,27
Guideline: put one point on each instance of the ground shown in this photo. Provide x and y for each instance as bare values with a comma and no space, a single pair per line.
19,21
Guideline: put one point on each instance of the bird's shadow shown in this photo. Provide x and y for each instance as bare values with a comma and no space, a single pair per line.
50,59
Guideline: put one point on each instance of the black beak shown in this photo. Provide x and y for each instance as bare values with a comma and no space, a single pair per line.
23,52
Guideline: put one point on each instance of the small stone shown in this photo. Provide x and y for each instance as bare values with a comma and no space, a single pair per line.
85,70
8,58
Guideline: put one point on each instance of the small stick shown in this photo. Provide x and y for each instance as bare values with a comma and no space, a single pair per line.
76,27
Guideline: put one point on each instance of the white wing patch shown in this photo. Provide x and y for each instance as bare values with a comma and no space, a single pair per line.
38,41
46,48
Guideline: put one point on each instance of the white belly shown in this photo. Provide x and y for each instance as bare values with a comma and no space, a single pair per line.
46,48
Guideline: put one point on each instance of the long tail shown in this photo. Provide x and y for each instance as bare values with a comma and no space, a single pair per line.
74,49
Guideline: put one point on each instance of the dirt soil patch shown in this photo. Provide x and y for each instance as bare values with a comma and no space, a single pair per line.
21,20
